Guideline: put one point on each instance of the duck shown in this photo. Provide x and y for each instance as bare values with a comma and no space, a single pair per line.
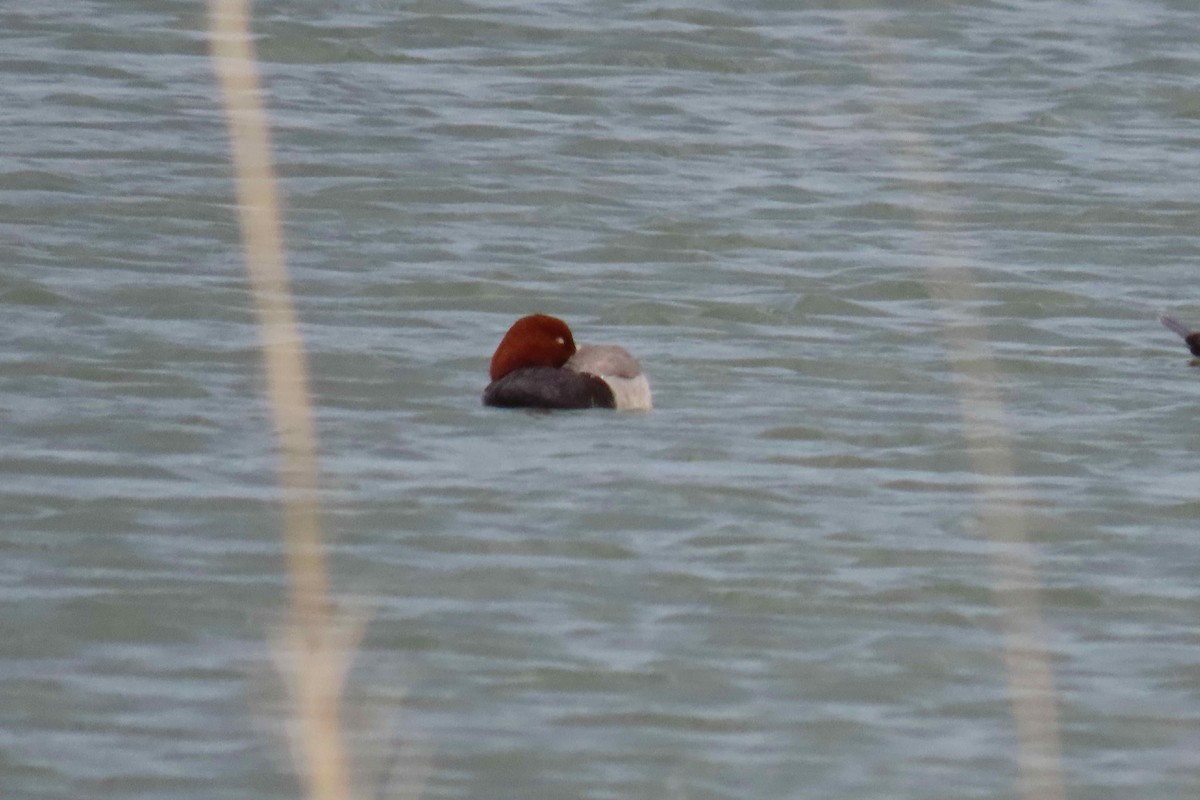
538,365
1190,337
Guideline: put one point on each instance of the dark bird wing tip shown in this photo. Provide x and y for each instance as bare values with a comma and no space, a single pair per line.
1172,324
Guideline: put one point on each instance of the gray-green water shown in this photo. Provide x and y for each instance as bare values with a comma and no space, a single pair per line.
773,586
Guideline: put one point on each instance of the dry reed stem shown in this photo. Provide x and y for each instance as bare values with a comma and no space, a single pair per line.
321,654
1002,516
1031,685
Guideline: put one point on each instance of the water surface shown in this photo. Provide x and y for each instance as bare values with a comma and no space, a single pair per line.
776,585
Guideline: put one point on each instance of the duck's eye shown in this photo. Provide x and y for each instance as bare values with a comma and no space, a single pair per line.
560,340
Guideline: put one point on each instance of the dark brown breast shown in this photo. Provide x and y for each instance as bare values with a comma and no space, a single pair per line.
548,387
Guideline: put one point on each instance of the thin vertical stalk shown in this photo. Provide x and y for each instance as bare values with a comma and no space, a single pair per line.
1002,516
319,662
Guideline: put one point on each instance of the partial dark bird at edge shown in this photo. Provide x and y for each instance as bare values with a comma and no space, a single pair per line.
1190,336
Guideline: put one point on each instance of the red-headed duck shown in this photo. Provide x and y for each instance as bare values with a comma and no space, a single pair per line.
537,365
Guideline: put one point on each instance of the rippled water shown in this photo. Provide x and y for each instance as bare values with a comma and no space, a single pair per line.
775,585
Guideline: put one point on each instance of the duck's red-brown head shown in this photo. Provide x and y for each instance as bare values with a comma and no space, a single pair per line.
534,341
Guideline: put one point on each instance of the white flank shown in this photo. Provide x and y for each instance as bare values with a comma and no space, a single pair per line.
630,394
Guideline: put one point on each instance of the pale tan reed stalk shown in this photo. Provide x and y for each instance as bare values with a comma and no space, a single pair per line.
1032,693
320,652
1002,519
